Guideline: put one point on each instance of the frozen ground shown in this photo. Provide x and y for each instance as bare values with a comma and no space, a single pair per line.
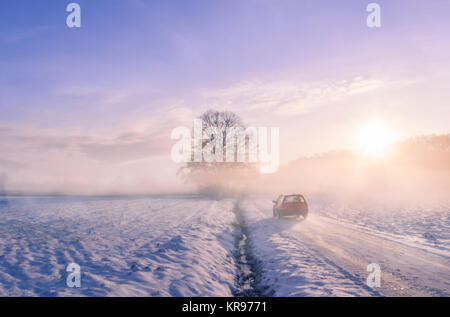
423,225
190,246
125,246
328,254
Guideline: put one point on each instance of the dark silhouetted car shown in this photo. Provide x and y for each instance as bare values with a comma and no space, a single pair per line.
290,206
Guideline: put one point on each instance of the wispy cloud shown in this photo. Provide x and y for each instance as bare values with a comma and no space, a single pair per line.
289,97
136,160
24,34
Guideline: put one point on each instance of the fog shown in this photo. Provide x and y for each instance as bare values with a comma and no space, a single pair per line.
415,171
2,183
353,178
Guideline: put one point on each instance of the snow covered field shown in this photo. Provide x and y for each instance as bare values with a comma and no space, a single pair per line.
125,246
193,246
328,254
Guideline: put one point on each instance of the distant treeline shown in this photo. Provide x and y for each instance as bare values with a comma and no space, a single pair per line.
417,165
427,152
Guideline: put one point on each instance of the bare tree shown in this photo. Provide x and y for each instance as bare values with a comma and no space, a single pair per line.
219,175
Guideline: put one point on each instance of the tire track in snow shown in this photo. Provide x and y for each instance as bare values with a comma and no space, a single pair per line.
328,244
291,265
248,279
406,270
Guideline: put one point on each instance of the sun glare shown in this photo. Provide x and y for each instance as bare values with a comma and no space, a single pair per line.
374,139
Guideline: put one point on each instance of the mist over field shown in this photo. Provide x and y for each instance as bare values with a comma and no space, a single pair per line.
416,171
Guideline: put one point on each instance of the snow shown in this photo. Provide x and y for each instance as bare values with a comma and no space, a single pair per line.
422,225
125,246
327,254
192,246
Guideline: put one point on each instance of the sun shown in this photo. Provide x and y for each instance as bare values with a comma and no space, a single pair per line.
374,139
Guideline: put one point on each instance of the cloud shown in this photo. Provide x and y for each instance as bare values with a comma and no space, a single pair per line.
24,34
7,164
132,161
288,97
127,147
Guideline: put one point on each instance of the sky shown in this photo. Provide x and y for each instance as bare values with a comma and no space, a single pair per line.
91,109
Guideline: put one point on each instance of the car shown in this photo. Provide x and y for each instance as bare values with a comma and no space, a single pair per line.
290,206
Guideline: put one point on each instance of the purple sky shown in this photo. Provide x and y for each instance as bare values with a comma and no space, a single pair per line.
96,105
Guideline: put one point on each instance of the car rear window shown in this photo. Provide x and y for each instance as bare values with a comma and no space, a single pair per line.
294,199
280,199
